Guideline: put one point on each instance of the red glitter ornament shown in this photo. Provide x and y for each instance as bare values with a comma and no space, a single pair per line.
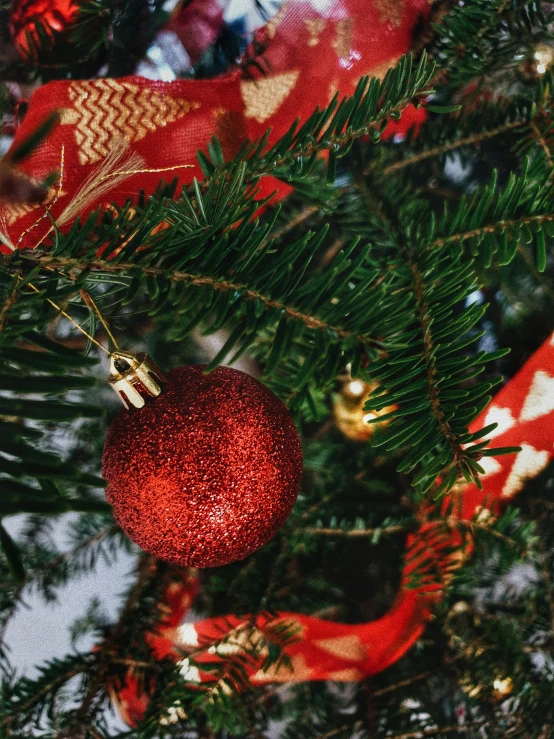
52,15
207,472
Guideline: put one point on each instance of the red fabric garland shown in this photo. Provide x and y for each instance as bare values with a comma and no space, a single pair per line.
325,650
311,51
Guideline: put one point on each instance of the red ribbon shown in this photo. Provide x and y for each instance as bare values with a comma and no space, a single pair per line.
311,50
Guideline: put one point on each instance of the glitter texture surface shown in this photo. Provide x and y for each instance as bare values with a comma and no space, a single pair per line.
207,472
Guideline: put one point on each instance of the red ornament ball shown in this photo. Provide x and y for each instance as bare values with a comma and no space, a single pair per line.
205,473
52,15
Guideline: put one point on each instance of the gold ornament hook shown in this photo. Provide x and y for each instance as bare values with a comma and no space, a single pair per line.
134,375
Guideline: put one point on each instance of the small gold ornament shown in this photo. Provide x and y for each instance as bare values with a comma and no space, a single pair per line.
543,58
349,413
502,687
132,376
461,606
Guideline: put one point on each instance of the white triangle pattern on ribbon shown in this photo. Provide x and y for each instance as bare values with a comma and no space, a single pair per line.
540,399
490,465
503,417
528,463
188,636
189,672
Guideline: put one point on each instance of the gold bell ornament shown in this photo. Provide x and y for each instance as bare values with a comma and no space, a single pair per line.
349,413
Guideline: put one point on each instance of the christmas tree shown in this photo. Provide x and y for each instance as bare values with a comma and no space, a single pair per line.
309,247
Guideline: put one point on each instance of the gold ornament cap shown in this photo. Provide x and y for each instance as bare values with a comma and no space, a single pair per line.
134,375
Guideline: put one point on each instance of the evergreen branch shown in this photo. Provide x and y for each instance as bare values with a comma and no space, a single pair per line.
546,574
95,538
34,480
86,710
57,570
48,568
498,11
498,219
280,559
202,264
48,683
401,684
416,734
424,315
474,526
9,302
251,564
542,143
146,572
493,228
310,321
291,224
471,40
538,138
542,280
394,302
385,530
445,148
331,129
432,415
457,729
272,581
120,33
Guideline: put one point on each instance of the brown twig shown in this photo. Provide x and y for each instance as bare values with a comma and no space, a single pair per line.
459,729
425,322
220,285
417,734
353,727
452,146
10,301
401,684
542,143
481,230
472,525
290,225
354,532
